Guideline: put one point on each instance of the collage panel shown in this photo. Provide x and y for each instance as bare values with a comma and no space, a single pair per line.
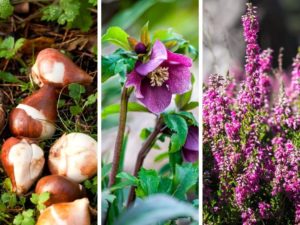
48,112
251,113
150,126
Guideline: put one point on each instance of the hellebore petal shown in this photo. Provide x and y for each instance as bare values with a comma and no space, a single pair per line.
179,59
190,155
135,80
158,56
190,150
156,98
192,140
179,80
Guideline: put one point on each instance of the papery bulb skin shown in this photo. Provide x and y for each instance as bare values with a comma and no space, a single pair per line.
71,213
74,155
61,189
23,161
35,116
54,68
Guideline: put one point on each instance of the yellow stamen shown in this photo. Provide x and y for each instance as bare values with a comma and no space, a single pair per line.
158,76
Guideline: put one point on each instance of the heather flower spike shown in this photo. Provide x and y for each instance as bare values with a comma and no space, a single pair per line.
164,74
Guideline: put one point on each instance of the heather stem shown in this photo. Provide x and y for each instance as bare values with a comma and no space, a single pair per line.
143,153
120,136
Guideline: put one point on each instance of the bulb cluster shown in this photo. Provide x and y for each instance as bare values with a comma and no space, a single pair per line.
251,138
72,158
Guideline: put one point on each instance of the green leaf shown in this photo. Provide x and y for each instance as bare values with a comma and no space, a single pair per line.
165,185
91,184
190,106
9,199
40,199
106,198
75,110
179,127
149,182
84,19
174,159
127,176
186,176
189,117
93,2
115,108
155,209
161,156
8,47
127,180
25,218
75,91
106,168
6,9
183,99
117,36
145,36
8,77
92,99
120,62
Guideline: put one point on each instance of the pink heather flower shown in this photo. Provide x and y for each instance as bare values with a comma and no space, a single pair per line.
164,74
248,217
265,65
264,209
251,92
297,213
190,150
251,28
295,84
215,105
232,128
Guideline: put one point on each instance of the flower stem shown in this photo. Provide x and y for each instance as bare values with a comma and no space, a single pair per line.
143,153
120,136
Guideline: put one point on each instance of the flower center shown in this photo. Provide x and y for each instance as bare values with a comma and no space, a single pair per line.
158,76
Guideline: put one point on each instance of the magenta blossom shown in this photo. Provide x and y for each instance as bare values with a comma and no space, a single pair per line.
164,74
190,150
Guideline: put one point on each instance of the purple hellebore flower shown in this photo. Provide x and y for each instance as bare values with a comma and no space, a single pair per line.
155,81
190,150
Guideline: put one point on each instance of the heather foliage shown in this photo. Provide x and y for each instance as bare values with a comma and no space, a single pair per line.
251,141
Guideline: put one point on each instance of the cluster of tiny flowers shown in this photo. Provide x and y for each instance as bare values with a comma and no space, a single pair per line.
264,209
296,76
251,138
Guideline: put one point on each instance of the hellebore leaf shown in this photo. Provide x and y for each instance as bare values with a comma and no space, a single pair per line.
155,209
127,180
179,127
106,198
186,176
120,62
115,108
190,106
106,168
189,117
148,183
117,36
